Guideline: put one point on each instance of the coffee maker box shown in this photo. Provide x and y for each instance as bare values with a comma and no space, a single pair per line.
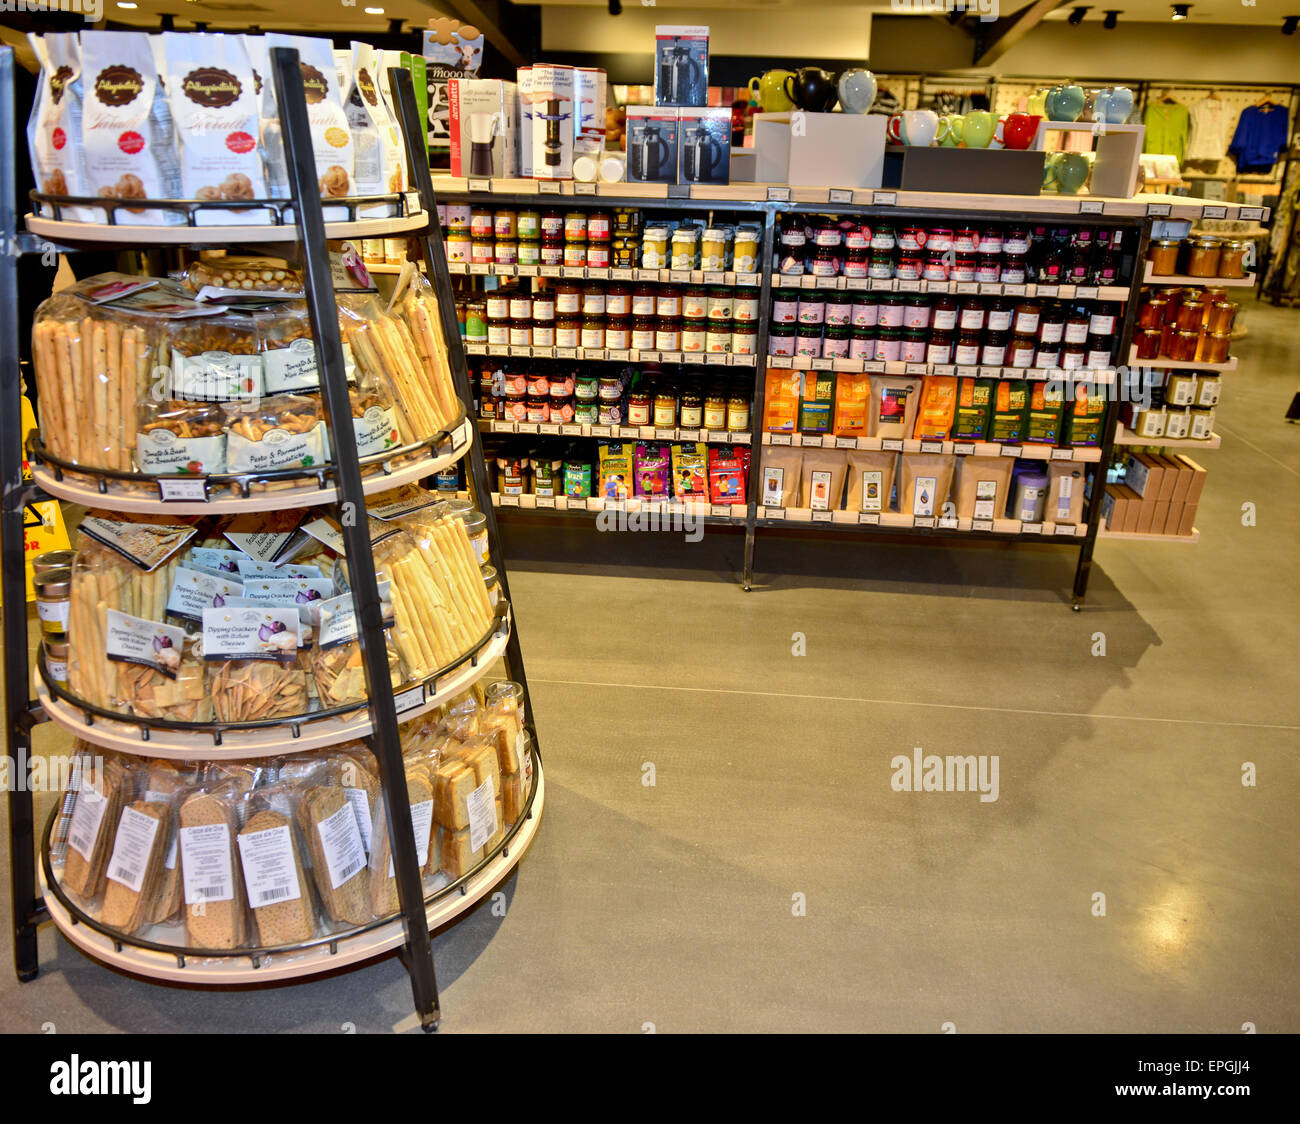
484,130
681,65
589,84
651,144
704,145
553,127
524,119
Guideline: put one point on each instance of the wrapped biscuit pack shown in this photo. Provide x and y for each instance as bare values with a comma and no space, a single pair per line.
214,905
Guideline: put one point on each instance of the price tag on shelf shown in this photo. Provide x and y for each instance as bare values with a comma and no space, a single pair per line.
778,195
914,368
600,431
527,270
503,427
1013,290
990,288
480,269
856,284
711,359
964,449
187,489
874,366
1066,292
408,699
882,285
750,279
1009,451
774,513
869,519
713,277
839,195
1062,454
584,189
930,285
906,285
571,430
1092,207
924,521
821,517
566,353
548,187
1066,530
508,501
943,369
1047,290
649,357
820,364
779,438
630,431
528,427
458,267
1155,210
675,507
891,444
480,185
723,509
679,191
807,281
1214,212
932,446
1252,214
846,442
622,274
967,372
846,364
830,282
548,427
549,270
981,525
665,434
598,272
476,348
810,441
947,522
968,287
546,501
645,432
620,356
679,276
1031,528
1086,292
884,198
743,360
688,435
498,349
990,372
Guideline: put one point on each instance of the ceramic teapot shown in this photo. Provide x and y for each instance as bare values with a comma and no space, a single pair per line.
812,89
1065,103
770,91
1113,105
857,90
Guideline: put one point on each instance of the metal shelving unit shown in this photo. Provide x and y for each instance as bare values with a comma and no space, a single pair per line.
376,721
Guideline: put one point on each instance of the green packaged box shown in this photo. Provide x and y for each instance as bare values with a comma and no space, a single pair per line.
816,401
974,405
1010,411
1046,413
1087,417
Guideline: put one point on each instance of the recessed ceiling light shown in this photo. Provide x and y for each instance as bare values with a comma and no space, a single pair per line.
126,4
1180,11
374,11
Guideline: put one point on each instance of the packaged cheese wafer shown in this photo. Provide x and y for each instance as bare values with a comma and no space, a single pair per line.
214,902
271,852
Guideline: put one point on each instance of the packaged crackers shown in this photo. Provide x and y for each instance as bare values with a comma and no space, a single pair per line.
210,868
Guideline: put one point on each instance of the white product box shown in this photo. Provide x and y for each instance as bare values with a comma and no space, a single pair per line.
816,149
524,117
552,127
589,85
483,127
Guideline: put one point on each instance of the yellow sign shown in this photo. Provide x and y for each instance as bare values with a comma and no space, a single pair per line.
43,527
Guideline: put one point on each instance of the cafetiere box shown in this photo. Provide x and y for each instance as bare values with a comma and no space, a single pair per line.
524,119
484,129
681,65
552,125
652,144
704,144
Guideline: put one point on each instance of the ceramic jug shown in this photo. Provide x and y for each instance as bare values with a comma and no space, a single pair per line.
811,89
1114,105
1065,103
770,91
857,90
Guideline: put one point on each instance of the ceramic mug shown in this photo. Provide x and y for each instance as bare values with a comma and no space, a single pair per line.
893,128
857,90
950,127
919,127
1071,171
1019,130
977,130
1065,103
770,91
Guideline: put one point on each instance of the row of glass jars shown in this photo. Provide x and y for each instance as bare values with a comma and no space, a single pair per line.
597,298
621,333
1199,256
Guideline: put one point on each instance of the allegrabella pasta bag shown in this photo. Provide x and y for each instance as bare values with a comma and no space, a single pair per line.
380,167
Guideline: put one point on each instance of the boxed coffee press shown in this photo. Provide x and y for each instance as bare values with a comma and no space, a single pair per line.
681,65
704,144
552,122
483,127
652,144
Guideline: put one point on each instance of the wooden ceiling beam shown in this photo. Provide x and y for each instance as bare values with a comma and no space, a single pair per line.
1005,33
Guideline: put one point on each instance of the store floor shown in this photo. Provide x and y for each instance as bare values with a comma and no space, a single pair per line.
771,878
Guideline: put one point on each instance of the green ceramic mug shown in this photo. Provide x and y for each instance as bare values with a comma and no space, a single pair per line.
950,130
978,128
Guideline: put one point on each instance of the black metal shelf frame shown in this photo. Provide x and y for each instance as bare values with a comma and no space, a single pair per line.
304,211
770,211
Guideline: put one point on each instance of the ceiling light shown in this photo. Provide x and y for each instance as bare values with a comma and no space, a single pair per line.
1289,24
374,11
615,7
1112,18
1076,16
126,4
1180,11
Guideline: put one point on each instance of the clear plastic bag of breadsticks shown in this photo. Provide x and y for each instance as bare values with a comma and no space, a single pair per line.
233,275
417,307
385,355
215,358
93,364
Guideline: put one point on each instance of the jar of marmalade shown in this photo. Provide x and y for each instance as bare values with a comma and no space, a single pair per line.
695,302
690,409
715,410
618,300
640,406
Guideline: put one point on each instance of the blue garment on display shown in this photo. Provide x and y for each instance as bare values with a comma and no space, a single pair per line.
1261,134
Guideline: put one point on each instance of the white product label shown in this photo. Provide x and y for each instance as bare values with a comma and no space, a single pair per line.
251,568
986,492
421,825
144,642
205,864
773,479
251,634
54,612
58,670
923,495
277,448
221,563
169,862
290,368
130,859
193,591
342,842
269,869
217,376
338,618
87,817
160,451
872,486
307,594
1029,505
482,815
525,762
360,804
820,493
1063,495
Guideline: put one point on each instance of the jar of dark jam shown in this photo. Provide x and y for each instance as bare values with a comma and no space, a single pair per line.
939,347
914,345
966,352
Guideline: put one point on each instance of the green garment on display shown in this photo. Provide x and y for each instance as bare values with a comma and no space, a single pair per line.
1166,124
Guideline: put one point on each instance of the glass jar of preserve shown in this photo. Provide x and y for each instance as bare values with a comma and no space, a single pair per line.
935,267
668,301
745,249
665,410
1103,318
598,226
808,340
839,309
962,268
1076,327
812,307
914,344
835,344
713,248
1074,357
738,412
718,337
856,262
1191,314
543,332
966,240
939,239
514,407
640,406
514,384
1051,323
610,388
460,246
685,248
618,333
1025,318
550,253
643,300
695,302
744,337
971,315
476,321
744,307
593,300
498,305
991,240
825,262
585,413
1214,347
883,236
943,313
562,411
586,387
881,265
521,333
715,410
1014,271
891,311
866,312
988,268
618,300
1016,240
1202,253
792,254
938,348
610,413
544,304
1151,312
480,222
1220,316
863,343
908,267
1020,352
568,298
719,303
691,410
482,251
575,226
966,352
780,340
627,220
654,247
857,237
643,333
520,306
668,333
998,314
916,312
499,332
889,345
694,335
1048,354
458,215
568,331
1097,355
575,254
1162,253
561,386
785,306
528,224
552,224
912,238
537,383
1232,257
597,255
994,351
504,224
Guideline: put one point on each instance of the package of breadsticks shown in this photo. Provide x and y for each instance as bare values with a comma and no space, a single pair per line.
214,904
417,306
276,432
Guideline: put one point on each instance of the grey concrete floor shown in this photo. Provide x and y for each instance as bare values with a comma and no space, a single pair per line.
677,904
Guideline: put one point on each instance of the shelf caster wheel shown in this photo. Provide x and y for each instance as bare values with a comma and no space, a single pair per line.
431,1026
1076,606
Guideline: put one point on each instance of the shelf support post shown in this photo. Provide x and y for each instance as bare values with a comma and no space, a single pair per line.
760,393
